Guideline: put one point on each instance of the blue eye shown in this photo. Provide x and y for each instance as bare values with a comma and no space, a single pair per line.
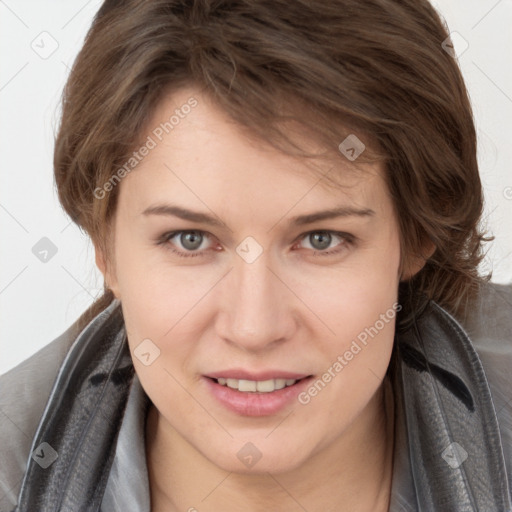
192,240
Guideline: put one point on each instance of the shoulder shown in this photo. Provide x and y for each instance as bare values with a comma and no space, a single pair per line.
488,323
24,391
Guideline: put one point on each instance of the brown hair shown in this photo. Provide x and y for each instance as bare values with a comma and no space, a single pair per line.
372,67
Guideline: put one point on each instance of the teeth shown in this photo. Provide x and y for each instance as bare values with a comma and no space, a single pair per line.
246,385
265,386
280,383
262,386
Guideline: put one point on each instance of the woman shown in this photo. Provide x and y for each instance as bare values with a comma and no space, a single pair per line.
284,200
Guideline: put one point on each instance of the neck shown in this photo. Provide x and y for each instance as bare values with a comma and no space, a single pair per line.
354,473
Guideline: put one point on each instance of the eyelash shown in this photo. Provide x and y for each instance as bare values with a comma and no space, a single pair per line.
164,240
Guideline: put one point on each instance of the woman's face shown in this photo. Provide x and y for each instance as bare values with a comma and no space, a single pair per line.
241,287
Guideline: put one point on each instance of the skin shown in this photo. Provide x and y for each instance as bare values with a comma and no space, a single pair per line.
292,308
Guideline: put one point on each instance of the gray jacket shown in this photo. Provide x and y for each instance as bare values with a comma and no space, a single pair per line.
72,417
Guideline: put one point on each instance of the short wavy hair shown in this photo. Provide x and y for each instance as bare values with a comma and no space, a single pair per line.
377,68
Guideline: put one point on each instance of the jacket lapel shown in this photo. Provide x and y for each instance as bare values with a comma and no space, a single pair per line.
81,420
444,402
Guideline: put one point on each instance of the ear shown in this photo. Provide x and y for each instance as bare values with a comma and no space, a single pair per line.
104,266
417,262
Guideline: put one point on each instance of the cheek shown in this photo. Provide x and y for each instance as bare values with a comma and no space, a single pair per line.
360,310
149,298
354,297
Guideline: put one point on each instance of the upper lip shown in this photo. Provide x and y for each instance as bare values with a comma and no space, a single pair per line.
237,373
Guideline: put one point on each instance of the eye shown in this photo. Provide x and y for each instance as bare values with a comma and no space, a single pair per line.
192,242
321,240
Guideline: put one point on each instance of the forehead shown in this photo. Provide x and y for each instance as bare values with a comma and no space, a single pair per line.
197,151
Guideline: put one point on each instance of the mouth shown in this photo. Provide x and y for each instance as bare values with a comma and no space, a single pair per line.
256,397
257,386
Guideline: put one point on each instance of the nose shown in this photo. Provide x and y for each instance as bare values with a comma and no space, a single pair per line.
257,309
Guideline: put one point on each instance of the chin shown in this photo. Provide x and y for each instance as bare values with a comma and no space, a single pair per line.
248,455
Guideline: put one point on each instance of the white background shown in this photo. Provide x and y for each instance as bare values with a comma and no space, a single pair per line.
38,301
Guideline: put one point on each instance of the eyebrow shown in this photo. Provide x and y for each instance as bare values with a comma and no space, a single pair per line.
300,220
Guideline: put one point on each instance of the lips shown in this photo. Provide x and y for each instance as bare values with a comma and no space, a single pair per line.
253,402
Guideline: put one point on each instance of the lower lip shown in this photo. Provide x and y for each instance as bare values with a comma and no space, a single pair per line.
254,403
